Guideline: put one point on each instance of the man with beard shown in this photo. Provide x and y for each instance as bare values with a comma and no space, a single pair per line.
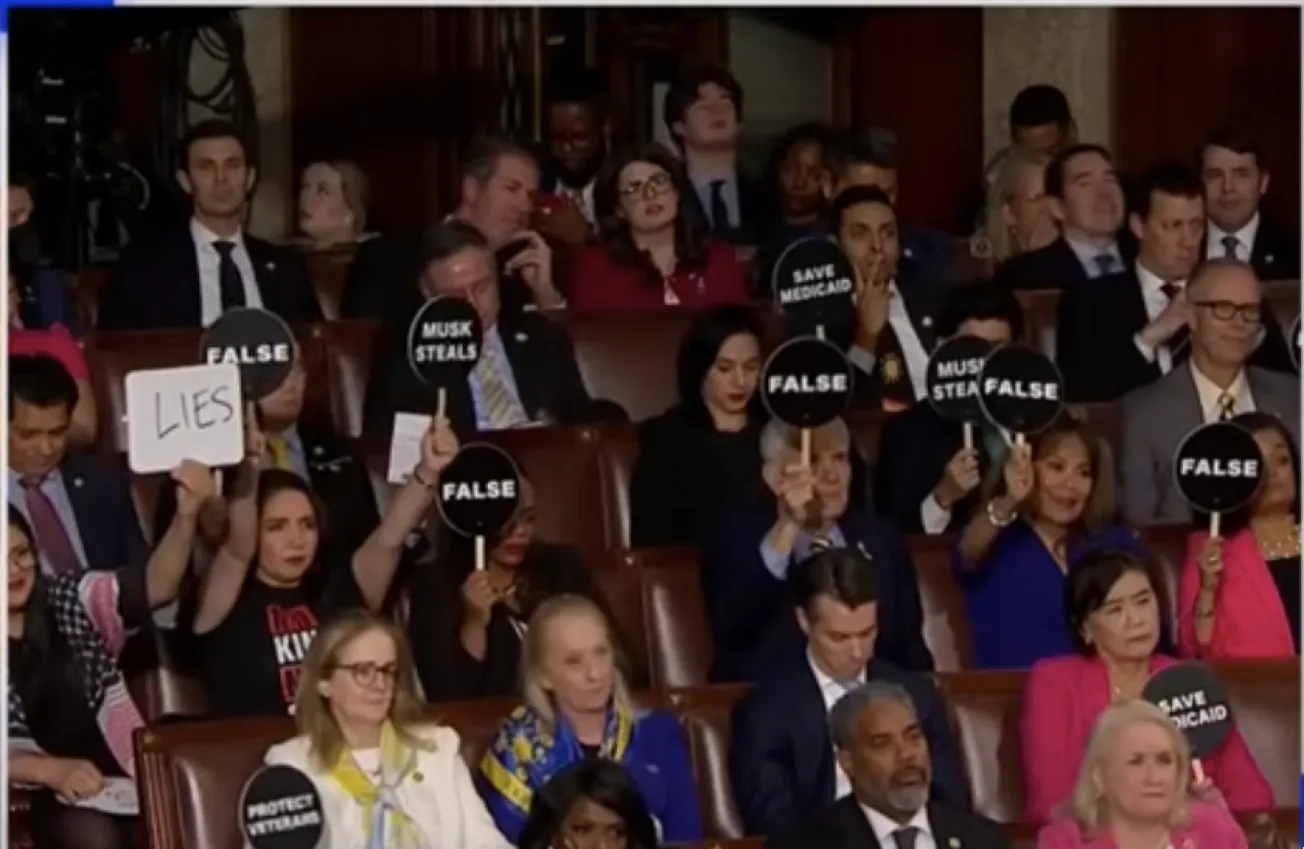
188,275
880,743
575,146
782,761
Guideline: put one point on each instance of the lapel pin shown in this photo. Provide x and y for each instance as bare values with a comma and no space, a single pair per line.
953,842
928,321
77,482
271,266
317,451
1268,259
418,777
521,337
907,253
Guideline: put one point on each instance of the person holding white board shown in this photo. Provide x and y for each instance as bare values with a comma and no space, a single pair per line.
71,717
277,577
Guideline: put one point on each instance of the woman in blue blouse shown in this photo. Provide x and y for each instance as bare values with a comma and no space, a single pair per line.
576,706
1052,501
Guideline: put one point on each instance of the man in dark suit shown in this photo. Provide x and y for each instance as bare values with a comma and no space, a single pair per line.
868,158
896,304
1130,329
574,147
80,509
1086,199
499,182
926,479
1235,180
702,110
527,373
882,745
747,556
782,762
189,274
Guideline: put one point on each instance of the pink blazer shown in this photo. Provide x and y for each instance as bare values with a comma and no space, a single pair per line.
1249,619
1209,827
1061,701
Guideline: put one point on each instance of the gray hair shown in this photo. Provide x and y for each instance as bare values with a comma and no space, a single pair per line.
1222,263
847,710
777,437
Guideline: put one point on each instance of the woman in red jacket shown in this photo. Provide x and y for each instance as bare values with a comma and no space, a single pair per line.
653,249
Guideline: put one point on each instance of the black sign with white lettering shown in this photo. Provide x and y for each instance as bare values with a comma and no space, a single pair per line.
1020,389
281,809
257,341
479,491
814,283
952,378
445,332
1196,701
806,382
1295,331
1218,467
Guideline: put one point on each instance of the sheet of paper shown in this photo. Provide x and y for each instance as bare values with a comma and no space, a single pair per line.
405,446
187,413
118,797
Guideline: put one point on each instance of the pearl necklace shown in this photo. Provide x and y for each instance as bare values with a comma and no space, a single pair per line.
1277,549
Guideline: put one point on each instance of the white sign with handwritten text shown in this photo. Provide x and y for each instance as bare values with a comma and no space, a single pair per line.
188,413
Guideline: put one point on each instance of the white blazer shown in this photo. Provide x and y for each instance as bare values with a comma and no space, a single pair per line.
439,796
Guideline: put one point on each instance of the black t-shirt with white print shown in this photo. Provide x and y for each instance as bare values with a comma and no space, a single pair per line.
252,662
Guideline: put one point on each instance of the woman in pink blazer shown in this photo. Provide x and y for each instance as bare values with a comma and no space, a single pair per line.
1114,608
1239,596
1135,789
655,250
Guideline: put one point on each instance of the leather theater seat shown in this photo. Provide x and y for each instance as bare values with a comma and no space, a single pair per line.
706,713
946,630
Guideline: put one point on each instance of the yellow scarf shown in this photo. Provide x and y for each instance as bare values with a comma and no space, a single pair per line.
388,825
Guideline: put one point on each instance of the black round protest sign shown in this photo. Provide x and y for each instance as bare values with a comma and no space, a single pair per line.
445,332
1196,701
952,378
1218,467
280,809
480,490
1020,389
256,341
814,282
1294,340
806,382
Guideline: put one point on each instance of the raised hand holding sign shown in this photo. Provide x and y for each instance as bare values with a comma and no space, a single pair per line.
1198,704
257,342
281,809
1218,468
478,493
1020,390
806,383
814,284
952,381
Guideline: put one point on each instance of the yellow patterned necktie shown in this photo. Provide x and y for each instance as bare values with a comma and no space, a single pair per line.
279,452
1226,406
503,414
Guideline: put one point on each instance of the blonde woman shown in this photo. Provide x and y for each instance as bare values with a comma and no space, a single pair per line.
389,777
577,705
333,201
1018,215
1135,790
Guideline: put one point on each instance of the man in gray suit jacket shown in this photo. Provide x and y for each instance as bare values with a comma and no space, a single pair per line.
1224,303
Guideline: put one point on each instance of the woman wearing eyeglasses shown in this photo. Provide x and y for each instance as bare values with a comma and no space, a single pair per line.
654,250
388,776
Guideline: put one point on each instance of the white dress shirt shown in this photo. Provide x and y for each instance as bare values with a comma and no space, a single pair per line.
911,347
884,828
1152,294
1214,235
210,279
1209,393
582,198
833,690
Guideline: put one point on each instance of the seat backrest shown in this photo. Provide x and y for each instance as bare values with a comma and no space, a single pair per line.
623,589
618,454
1265,699
190,776
477,724
679,635
112,356
706,713
350,349
946,630
630,359
1039,312
985,709
866,431
328,271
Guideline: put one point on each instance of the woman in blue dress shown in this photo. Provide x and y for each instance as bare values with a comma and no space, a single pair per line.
577,705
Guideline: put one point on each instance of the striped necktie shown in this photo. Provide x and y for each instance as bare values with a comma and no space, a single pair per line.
503,413
820,542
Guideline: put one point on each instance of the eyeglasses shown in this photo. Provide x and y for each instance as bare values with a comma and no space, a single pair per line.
367,674
1226,310
649,188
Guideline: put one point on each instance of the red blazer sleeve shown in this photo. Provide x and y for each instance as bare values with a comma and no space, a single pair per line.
1049,762
726,283
1233,771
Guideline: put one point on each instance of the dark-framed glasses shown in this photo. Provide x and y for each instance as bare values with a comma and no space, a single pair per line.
1226,310
649,188
368,674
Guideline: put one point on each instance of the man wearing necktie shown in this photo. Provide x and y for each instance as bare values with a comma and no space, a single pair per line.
1235,181
782,760
880,732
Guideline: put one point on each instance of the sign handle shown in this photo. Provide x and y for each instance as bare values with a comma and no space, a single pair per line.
479,554
805,447
441,404
819,331
1215,525
968,436
1197,771
1018,439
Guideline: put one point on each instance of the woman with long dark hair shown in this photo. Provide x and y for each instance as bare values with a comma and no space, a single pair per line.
1239,593
277,577
70,715
654,246
592,804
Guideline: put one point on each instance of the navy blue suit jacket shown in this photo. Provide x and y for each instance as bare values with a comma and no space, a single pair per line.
106,518
753,623
781,761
